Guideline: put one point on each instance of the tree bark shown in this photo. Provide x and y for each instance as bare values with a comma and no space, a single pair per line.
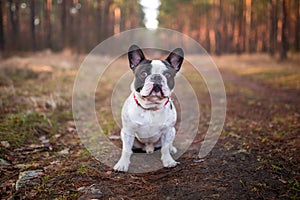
32,25
224,13
63,23
240,44
105,19
133,14
248,26
48,23
2,6
284,40
99,22
14,16
272,26
297,26
231,29
14,20
218,25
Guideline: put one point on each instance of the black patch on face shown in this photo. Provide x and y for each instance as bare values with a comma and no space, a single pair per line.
170,74
141,72
166,62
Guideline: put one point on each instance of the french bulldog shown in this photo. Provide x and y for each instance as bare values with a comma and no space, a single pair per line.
148,114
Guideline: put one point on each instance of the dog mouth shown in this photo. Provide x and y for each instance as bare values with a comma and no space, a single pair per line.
153,90
157,89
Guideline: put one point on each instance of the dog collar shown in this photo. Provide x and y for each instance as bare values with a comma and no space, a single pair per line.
154,108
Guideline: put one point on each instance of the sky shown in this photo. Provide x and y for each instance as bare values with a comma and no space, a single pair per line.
150,8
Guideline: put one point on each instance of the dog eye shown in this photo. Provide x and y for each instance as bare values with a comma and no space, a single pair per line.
144,74
167,75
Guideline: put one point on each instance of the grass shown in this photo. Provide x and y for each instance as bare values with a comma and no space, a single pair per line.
21,128
32,103
277,76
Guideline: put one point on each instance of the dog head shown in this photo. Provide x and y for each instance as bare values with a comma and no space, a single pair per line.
154,78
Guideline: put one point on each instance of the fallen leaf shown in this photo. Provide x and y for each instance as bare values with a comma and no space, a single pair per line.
5,144
114,137
64,151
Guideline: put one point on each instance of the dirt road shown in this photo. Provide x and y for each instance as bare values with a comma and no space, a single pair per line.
256,157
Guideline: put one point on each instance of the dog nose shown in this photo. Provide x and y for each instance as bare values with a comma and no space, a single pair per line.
156,87
156,78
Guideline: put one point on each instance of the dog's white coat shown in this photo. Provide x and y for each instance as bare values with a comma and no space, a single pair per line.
158,67
147,129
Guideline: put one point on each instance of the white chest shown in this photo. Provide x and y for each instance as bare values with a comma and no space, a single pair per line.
146,123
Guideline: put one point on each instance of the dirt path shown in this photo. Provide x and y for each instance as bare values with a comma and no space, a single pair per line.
256,157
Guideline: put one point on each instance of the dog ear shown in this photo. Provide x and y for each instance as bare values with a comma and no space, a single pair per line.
135,56
175,58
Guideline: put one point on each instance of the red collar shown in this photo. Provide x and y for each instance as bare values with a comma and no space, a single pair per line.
154,108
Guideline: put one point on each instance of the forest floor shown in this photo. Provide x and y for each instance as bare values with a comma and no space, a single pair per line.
256,156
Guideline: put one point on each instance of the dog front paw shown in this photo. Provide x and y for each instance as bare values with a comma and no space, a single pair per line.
168,163
122,166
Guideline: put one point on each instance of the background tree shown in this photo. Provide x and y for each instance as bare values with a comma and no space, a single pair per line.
284,40
297,25
32,25
2,5
75,24
14,20
238,26
272,25
227,26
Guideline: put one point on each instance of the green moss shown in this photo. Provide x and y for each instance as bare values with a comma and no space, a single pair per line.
16,128
26,128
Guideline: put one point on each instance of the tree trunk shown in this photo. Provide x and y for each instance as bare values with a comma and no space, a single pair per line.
105,19
231,29
297,26
284,40
98,21
14,16
272,26
63,24
241,38
218,27
133,14
2,6
224,12
117,17
14,19
248,26
48,23
207,32
32,26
